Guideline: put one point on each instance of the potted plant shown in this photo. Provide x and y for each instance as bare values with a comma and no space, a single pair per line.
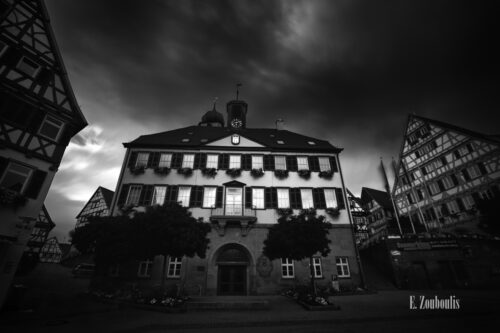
281,173
137,170
162,170
257,172
11,198
333,211
285,211
234,172
326,174
210,172
304,173
185,171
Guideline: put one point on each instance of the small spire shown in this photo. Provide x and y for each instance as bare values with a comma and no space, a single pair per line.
215,102
238,85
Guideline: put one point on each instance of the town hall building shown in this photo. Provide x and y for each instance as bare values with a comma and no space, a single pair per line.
238,179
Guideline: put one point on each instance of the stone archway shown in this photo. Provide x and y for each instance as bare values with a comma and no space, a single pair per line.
232,263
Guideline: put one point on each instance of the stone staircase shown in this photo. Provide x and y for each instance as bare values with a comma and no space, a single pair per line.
233,303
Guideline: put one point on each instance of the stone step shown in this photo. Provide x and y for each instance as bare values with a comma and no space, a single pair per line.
227,303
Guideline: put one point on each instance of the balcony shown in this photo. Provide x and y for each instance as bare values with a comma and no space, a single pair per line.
234,214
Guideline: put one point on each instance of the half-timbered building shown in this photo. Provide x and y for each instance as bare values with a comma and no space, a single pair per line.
38,117
99,204
238,179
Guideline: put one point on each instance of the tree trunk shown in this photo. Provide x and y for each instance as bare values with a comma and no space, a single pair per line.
163,273
311,271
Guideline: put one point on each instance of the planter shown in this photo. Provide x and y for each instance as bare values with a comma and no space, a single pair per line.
162,171
333,212
325,174
233,172
281,173
210,172
257,173
11,198
285,211
185,171
137,170
304,173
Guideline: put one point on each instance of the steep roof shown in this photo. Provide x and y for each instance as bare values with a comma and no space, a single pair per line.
381,197
107,195
200,135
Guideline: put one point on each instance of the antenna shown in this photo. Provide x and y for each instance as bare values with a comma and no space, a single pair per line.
238,85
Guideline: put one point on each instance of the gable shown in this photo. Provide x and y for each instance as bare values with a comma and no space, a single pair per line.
226,142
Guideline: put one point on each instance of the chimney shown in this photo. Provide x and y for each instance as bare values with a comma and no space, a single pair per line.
279,124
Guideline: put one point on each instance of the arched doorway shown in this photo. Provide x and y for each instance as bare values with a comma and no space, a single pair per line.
232,270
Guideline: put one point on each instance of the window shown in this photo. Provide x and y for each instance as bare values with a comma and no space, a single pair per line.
234,161
433,188
311,143
142,159
133,195
307,198
257,162
287,268
302,163
159,195
342,267
447,183
174,267
283,198
468,201
473,171
165,160
51,128
145,268
324,164
258,198
453,206
188,161
462,151
184,195
330,198
28,66
16,177
209,197
212,161
411,198
317,267
280,142
279,163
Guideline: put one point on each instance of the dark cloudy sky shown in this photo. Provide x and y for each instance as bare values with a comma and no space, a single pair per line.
346,71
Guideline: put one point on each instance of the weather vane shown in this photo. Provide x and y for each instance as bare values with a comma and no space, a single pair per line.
238,85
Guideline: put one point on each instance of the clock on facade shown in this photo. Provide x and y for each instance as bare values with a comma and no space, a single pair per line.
236,123
235,139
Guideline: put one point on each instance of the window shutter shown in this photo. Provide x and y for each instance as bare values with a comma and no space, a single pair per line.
3,165
123,194
35,184
132,159
224,161
444,210
443,160
457,154
246,162
469,147
248,196
172,192
423,170
193,199
150,160
454,179
440,185
203,160
156,159
465,173
333,164
197,162
460,204
271,197
313,163
218,196
146,195
319,198
482,168
340,198
291,163
295,198
274,197
176,160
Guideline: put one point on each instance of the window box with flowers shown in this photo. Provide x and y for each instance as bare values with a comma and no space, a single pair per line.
11,198
234,172
308,212
326,174
185,171
257,173
137,170
284,211
210,172
162,171
304,173
281,173
333,211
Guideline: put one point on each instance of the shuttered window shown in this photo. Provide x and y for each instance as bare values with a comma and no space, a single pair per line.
165,160
330,198
184,195
279,163
324,164
307,198
257,162
188,161
234,161
283,198
302,163
142,159
212,161
209,195
258,198
159,195
134,193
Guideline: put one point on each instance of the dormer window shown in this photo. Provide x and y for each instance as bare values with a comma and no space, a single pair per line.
280,142
28,66
51,128
311,143
185,140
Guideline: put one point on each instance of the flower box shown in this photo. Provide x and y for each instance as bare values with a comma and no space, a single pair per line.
285,211
233,172
12,198
257,173
185,171
210,172
281,173
137,170
326,174
333,211
308,211
304,173
162,170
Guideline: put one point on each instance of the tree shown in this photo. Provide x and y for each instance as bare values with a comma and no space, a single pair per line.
490,215
298,237
167,230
